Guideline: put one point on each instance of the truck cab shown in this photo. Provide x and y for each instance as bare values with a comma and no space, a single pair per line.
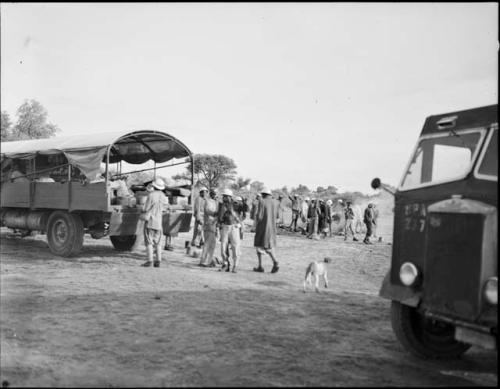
443,278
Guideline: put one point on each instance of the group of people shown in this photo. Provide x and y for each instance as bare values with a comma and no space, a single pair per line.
214,220
370,217
316,217
224,221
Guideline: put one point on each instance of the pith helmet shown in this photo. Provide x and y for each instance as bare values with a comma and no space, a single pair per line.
158,183
227,192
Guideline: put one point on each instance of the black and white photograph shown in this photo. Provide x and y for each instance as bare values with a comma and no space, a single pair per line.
249,194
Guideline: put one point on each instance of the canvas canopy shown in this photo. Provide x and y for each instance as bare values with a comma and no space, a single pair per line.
88,151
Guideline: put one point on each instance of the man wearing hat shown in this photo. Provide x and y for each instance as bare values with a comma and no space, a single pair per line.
209,230
295,211
198,209
229,224
265,231
152,214
349,220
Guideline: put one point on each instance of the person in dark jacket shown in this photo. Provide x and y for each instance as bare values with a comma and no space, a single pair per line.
368,220
265,230
313,216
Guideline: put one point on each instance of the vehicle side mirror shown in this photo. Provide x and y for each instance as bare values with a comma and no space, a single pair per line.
375,183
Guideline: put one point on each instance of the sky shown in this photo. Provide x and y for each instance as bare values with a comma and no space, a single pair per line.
315,94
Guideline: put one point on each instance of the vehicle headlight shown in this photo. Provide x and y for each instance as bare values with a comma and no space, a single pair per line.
491,290
408,273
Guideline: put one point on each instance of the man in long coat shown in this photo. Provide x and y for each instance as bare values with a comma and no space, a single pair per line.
265,230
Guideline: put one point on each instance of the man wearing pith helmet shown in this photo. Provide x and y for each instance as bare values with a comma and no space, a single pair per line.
198,211
229,224
265,230
156,203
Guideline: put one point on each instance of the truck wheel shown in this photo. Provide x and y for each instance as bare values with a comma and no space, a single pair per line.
123,242
65,233
424,337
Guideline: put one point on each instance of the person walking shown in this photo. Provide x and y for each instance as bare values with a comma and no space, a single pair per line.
349,220
210,231
265,232
156,204
229,225
295,211
368,220
199,206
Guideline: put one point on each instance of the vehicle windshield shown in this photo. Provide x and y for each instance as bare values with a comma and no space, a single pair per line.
441,158
488,167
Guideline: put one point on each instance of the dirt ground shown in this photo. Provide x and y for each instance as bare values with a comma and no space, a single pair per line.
102,320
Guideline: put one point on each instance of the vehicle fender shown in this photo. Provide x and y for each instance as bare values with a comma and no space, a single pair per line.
405,295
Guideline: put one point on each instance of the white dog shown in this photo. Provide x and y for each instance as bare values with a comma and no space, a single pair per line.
316,269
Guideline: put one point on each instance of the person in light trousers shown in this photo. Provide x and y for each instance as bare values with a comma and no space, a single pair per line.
229,224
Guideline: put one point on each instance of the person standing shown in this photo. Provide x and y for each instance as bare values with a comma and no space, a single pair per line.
156,204
313,215
329,217
349,220
375,221
198,209
368,220
321,217
229,225
295,211
265,232
210,231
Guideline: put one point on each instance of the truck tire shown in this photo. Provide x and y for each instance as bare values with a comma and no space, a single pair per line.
65,233
123,242
422,336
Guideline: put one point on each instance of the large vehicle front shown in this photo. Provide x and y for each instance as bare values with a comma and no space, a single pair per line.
443,275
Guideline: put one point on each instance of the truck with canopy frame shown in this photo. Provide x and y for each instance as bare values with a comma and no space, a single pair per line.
443,279
64,187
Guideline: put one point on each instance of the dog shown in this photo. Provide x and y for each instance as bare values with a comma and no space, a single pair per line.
316,269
